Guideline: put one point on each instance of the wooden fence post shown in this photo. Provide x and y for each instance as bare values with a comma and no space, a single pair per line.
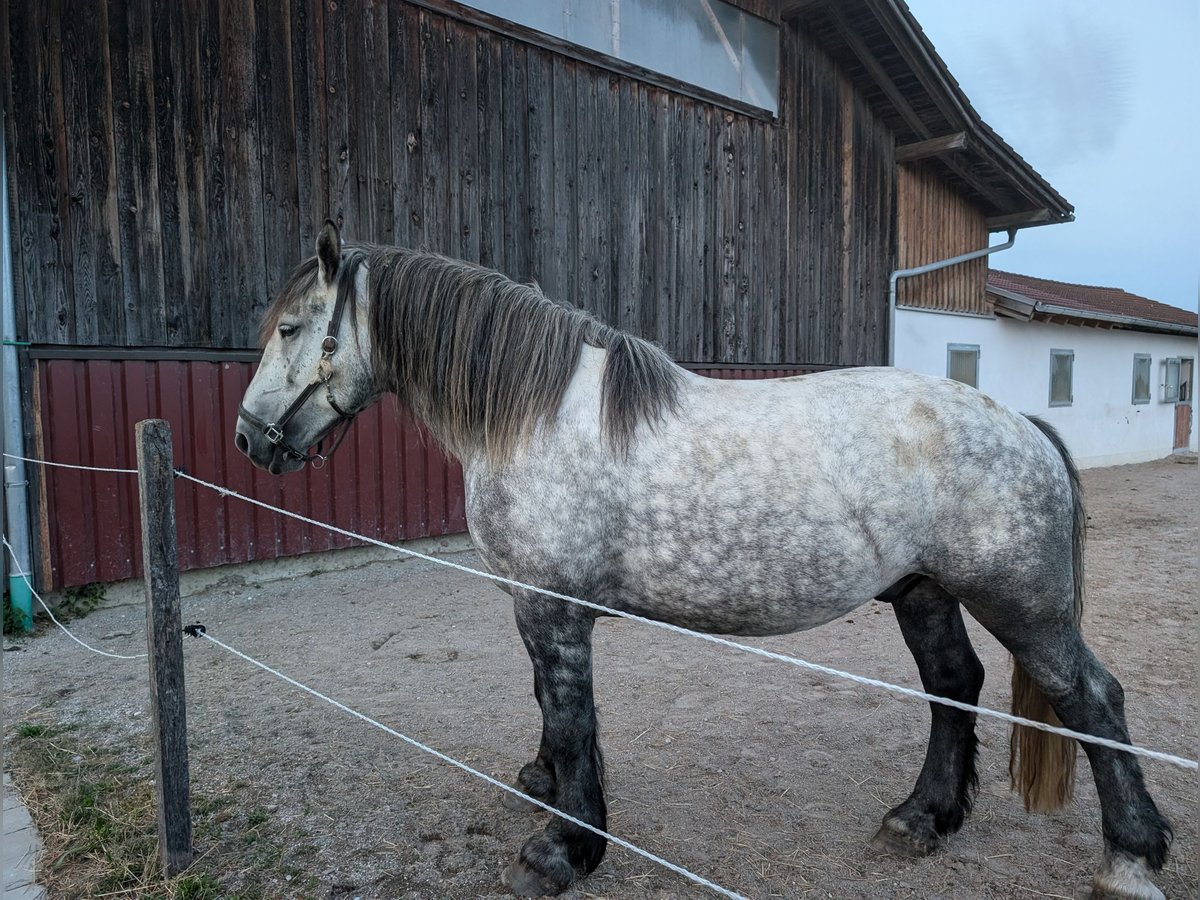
164,639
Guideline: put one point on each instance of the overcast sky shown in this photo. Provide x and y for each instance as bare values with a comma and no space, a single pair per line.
1103,99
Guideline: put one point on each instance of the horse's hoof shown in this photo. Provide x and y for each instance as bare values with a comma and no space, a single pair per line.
1124,877
896,838
542,869
516,804
524,881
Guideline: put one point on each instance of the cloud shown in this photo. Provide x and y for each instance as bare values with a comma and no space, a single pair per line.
1062,85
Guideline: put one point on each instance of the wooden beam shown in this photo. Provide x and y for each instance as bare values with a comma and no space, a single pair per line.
1016,220
931,147
975,184
876,71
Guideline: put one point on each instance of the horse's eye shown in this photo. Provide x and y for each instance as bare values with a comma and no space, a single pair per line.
287,330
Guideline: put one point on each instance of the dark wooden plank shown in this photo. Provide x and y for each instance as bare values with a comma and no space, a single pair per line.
435,137
275,105
499,186
109,324
140,215
342,197
510,174
377,124
171,132
462,147
404,62
629,207
589,259
78,77
39,176
655,302
728,163
164,641
235,323
688,340
211,279
540,138
307,50
561,278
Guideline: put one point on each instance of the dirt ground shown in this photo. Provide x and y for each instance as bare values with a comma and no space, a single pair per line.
768,780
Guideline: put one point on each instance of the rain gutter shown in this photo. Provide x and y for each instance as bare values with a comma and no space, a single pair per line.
15,483
932,267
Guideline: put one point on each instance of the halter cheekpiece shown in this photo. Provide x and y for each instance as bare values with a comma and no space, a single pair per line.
273,431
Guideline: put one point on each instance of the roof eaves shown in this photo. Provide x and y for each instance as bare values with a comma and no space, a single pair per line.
911,40
1017,305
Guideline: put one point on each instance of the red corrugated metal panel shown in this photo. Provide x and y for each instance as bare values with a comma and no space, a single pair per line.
388,480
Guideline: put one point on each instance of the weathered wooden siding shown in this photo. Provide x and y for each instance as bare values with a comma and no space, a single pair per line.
934,222
171,163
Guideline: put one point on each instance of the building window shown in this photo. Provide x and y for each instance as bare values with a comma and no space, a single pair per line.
1062,364
707,43
962,363
1141,378
1177,380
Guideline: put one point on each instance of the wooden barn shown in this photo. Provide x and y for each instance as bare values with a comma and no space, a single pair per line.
735,179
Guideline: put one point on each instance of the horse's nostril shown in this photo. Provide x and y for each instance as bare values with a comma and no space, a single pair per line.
241,443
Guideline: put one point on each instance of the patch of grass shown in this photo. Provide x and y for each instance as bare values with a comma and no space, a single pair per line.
94,806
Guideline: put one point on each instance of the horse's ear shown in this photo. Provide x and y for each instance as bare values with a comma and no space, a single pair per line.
329,251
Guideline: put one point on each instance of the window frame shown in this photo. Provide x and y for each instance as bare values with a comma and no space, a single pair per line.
1148,360
1070,355
951,349
1168,392
578,52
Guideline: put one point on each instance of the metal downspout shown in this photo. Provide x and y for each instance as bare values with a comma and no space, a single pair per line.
15,483
932,267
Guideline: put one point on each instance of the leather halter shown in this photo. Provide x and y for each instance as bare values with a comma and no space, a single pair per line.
273,431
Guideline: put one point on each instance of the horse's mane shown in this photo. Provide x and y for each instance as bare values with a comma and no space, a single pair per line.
483,360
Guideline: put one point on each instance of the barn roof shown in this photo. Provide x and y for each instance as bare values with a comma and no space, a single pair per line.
1026,297
885,53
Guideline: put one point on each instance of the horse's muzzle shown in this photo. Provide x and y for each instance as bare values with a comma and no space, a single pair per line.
263,453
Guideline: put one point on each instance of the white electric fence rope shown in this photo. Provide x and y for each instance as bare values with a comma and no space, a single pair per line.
66,631
1169,758
471,771
58,465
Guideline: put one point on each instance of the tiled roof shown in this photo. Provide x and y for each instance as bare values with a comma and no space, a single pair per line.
1090,298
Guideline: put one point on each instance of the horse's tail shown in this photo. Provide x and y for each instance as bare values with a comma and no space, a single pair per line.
1042,765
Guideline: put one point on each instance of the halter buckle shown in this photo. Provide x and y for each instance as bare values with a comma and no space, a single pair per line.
329,345
274,434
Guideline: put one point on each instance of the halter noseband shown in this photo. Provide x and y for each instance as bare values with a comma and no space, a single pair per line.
273,431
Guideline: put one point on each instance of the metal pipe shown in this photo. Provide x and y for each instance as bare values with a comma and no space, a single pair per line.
15,482
932,267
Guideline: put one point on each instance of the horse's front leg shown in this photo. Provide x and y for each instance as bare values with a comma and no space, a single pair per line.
559,640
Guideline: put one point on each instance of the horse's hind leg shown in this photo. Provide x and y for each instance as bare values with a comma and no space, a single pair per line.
559,640
932,625
1087,698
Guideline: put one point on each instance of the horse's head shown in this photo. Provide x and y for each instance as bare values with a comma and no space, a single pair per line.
315,373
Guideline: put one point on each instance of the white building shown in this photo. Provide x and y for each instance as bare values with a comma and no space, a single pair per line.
1113,372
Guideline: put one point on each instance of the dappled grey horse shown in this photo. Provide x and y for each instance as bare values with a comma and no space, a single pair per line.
597,468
